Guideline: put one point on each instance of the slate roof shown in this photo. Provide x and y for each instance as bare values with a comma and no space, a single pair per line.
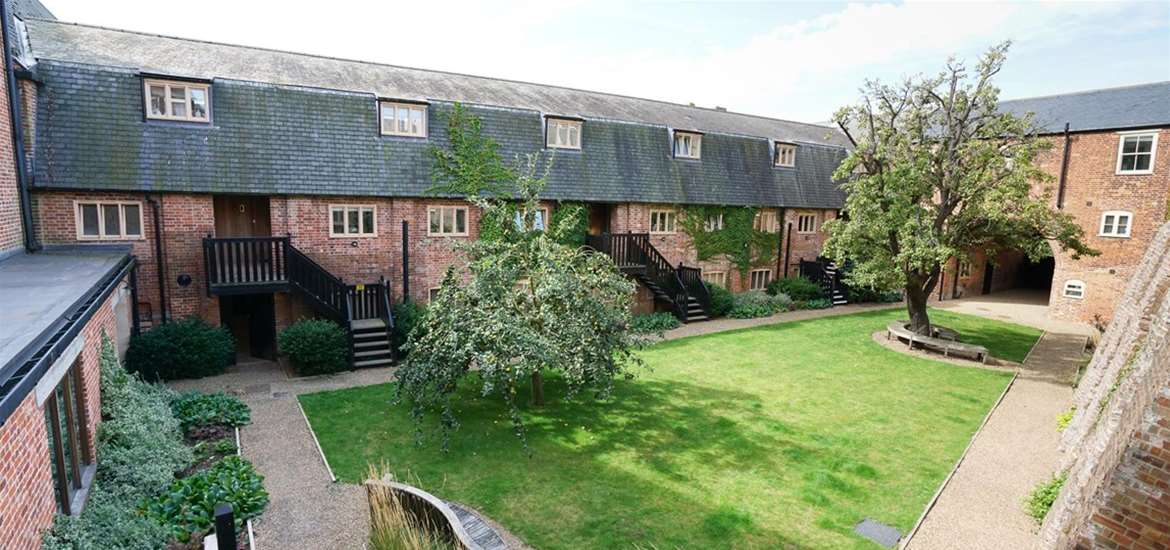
27,9
1140,106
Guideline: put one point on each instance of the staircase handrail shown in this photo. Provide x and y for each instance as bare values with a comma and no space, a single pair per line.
692,279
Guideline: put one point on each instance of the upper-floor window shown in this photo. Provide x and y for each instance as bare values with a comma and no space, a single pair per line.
563,133
352,221
806,223
1135,153
1074,289
539,221
687,145
662,221
1115,223
447,221
404,119
108,221
765,221
174,100
785,154
714,222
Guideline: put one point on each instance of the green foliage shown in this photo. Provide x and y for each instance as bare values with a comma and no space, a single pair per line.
407,316
1063,419
188,505
495,225
472,167
1040,500
572,219
184,348
753,304
818,303
864,294
651,323
195,410
315,346
722,300
797,288
738,240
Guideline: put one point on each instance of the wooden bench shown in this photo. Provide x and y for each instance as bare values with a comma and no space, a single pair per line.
944,342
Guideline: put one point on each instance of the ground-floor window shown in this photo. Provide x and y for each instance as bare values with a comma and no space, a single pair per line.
433,294
760,278
715,278
448,221
806,223
352,221
66,425
662,221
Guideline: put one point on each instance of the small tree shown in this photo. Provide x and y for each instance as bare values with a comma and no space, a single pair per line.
472,165
938,172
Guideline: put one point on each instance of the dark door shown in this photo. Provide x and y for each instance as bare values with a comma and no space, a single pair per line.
988,275
241,216
251,320
599,218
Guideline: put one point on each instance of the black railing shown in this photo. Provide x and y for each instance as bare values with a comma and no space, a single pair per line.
817,273
317,283
245,261
692,280
633,253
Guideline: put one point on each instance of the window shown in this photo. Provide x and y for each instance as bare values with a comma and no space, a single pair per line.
662,221
714,223
806,223
1074,289
563,133
433,294
760,278
69,453
353,221
687,145
1135,153
404,119
964,268
765,221
785,154
538,223
107,221
715,278
184,101
448,221
1115,224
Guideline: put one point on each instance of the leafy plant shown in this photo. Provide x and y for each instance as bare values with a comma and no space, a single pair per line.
722,300
1063,419
572,220
738,239
1040,500
472,165
658,322
797,288
315,346
863,294
188,505
407,316
753,304
184,348
819,303
197,409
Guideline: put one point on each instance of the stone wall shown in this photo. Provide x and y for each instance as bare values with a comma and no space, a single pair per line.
1117,447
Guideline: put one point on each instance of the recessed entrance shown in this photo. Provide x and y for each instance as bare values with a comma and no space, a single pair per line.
251,318
599,218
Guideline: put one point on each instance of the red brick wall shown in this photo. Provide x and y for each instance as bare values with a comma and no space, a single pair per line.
10,223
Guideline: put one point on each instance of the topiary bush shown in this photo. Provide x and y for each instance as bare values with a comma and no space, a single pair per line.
195,410
315,346
754,304
188,505
185,348
797,288
651,323
722,300
407,316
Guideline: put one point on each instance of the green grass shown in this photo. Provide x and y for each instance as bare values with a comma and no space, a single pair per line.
769,437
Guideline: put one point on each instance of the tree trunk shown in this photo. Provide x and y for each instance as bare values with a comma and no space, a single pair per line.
537,389
916,306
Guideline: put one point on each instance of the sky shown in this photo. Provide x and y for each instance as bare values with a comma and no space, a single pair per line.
790,60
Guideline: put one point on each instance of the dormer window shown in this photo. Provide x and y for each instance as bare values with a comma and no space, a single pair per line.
179,101
687,145
785,155
563,133
403,119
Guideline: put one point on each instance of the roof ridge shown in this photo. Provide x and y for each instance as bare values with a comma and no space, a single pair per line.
405,67
1089,91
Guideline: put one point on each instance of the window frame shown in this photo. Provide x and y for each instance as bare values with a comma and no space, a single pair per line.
345,208
167,84
800,217
776,156
722,277
752,278
1122,136
71,480
549,133
433,293
1078,284
545,218
409,106
710,227
1114,234
101,219
696,140
766,221
466,221
671,215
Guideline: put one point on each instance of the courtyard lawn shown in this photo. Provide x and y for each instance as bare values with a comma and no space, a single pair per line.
784,435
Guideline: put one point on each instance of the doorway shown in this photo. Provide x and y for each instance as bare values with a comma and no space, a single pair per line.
599,218
241,216
988,275
251,320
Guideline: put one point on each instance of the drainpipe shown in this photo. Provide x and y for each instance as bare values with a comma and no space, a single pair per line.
159,259
405,261
780,242
14,104
788,248
1063,168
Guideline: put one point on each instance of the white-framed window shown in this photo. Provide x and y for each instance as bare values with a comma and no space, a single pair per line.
687,145
403,119
765,221
715,278
1135,153
662,221
714,222
108,220
1074,289
433,294
1116,223
175,100
806,223
785,154
539,222
347,220
562,133
447,221
759,279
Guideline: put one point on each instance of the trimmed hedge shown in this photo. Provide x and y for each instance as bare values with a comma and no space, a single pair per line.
315,346
185,348
649,323
797,288
722,300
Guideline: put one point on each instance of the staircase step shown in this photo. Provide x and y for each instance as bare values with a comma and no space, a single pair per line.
696,318
372,353
371,343
367,324
373,363
370,335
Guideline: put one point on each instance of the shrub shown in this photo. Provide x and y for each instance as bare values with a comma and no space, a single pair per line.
1063,419
654,323
753,304
196,409
1039,502
186,348
407,316
863,295
188,505
819,303
722,300
315,346
797,288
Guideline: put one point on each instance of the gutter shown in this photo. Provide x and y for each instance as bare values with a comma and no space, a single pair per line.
1063,168
14,104
159,260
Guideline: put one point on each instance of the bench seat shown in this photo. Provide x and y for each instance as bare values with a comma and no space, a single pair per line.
948,346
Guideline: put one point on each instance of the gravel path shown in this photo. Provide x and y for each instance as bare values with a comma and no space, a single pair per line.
981,506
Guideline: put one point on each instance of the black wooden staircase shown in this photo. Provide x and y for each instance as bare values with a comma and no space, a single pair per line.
251,265
680,287
826,273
